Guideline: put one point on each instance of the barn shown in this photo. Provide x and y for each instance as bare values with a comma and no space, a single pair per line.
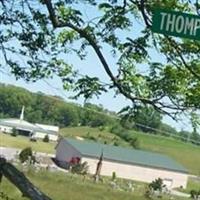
127,163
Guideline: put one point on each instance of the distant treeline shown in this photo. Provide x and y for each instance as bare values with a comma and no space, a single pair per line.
41,108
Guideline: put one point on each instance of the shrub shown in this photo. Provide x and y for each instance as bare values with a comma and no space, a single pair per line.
101,128
116,143
46,138
80,168
154,187
25,154
117,129
33,139
195,194
114,176
14,132
157,185
134,142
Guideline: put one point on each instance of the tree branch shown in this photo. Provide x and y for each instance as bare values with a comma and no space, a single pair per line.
177,49
58,24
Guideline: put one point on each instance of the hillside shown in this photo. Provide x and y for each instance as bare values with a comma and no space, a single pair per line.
186,154
46,109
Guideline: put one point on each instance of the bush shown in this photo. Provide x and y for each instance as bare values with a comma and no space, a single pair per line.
114,176
134,142
116,143
25,154
14,132
101,128
33,139
46,138
154,188
80,168
157,185
195,194
117,129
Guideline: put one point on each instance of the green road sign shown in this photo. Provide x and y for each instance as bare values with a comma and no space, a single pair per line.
176,24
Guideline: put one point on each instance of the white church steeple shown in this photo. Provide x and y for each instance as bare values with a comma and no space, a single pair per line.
22,114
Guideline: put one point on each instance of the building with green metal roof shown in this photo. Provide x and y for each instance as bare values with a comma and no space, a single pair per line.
125,162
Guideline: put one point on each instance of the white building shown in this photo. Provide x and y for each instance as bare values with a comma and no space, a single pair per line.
28,129
125,162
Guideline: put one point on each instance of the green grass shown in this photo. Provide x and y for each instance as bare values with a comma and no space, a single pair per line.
22,142
62,186
186,154
94,134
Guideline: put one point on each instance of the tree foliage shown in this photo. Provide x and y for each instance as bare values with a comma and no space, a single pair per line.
25,154
80,168
36,35
46,138
157,185
41,108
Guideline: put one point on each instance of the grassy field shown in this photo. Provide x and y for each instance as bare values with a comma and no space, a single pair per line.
60,186
93,134
22,142
185,153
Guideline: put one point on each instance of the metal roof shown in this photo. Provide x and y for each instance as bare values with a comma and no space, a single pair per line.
126,155
24,125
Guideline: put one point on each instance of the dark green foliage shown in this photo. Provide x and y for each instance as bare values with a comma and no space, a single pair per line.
134,142
80,168
101,128
157,185
14,132
95,116
125,135
167,130
46,138
116,143
114,176
195,194
25,154
147,119
40,108
117,129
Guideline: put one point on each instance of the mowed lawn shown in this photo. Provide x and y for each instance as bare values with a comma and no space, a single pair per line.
185,153
62,186
93,134
22,142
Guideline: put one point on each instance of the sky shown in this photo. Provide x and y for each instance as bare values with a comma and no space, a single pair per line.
91,66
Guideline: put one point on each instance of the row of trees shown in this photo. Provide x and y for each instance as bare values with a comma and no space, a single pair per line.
41,108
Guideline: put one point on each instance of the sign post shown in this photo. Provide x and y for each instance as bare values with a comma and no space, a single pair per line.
176,24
